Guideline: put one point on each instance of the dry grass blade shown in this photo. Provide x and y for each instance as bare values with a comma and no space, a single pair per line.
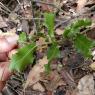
4,7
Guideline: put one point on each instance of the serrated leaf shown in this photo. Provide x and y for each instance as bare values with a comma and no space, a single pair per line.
47,68
81,23
74,28
23,57
49,23
22,37
66,32
53,52
83,45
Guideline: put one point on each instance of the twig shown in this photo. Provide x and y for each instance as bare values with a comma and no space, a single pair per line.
42,19
35,26
62,22
4,11
12,88
3,6
47,3
21,6
19,2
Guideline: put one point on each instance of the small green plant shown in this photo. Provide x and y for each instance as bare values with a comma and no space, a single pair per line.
49,23
72,30
81,42
22,37
53,51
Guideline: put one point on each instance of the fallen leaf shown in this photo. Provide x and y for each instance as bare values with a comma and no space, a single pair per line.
93,53
38,87
11,31
86,86
68,78
25,26
59,31
53,81
70,92
92,66
46,7
13,17
41,41
80,6
34,74
27,9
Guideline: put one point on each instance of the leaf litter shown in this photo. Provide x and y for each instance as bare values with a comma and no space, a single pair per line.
68,75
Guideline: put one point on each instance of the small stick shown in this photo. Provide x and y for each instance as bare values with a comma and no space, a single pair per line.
47,3
35,26
3,6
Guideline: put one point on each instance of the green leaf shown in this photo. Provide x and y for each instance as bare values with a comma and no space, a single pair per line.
66,32
49,23
22,37
23,57
81,23
47,68
83,45
53,52
73,29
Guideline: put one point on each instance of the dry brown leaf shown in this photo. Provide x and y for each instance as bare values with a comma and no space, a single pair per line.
80,6
70,92
34,74
41,43
25,26
10,32
68,78
59,31
28,12
93,54
53,81
86,86
38,87
46,7
92,66
13,17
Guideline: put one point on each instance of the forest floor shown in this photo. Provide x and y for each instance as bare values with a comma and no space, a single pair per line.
42,60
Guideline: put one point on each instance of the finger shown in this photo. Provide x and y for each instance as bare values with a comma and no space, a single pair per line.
3,57
7,43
